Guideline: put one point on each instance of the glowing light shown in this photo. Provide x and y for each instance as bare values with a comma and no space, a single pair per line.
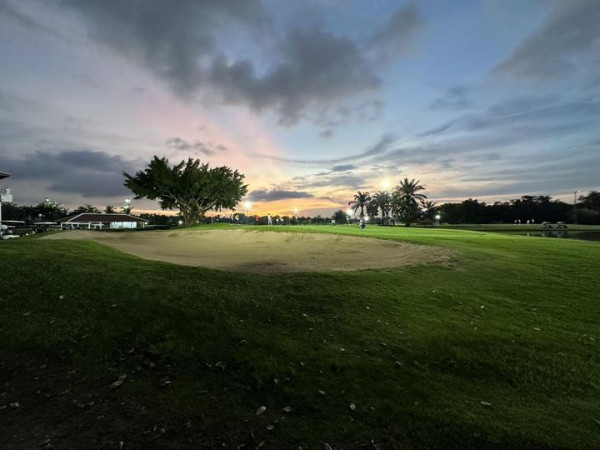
349,211
385,184
437,217
248,205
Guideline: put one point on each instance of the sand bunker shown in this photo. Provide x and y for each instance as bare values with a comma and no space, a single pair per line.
256,251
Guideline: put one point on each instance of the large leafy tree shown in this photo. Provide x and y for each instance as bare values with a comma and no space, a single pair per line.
591,200
361,200
190,186
339,216
383,201
405,200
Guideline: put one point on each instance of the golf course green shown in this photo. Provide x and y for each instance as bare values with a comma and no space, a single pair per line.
498,348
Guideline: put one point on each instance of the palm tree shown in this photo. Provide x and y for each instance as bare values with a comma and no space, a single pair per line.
372,210
86,209
361,200
109,209
406,198
429,209
383,201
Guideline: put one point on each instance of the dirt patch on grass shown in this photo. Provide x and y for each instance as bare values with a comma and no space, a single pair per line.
256,251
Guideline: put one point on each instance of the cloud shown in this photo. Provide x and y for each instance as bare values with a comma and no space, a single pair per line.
379,147
272,195
534,113
454,98
23,19
87,173
234,53
208,148
170,40
317,70
398,34
551,52
343,168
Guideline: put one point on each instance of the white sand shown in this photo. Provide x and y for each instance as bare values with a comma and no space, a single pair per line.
255,251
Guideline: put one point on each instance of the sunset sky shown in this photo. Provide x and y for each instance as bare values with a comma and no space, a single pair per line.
311,100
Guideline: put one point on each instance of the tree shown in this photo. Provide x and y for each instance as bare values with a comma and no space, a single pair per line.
87,208
383,201
110,209
372,211
339,216
361,200
429,210
405,202
591,201
190,186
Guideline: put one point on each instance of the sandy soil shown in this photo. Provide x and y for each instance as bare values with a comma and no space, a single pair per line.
254,251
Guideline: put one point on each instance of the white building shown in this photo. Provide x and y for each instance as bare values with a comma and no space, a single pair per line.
94,221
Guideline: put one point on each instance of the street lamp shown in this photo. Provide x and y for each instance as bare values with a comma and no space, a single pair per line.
247,208
295,214
127,207
437,219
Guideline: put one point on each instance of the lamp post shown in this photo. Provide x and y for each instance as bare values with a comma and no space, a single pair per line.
247,208
437,220
127,207
295,214
575,192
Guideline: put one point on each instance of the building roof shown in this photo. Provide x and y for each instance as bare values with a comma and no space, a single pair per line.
100,218
4,175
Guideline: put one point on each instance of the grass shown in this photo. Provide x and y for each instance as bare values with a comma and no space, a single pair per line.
498,351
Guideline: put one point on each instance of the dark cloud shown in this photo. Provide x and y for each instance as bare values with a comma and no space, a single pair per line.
454,98
317,70
83,172
303,73
343,168
272,195
8,10
170,39
552,51
398,33
208,148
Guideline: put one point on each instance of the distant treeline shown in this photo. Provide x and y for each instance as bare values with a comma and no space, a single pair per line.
533,208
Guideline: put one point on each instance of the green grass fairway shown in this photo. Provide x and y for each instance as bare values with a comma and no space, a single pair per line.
500,349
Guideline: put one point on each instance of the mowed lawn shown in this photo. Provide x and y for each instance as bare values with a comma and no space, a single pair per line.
499,349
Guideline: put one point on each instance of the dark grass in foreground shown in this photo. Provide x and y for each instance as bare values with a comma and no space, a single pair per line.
499,351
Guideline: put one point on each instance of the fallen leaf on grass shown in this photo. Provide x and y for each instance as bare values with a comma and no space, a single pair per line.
261,410
485,403
119,381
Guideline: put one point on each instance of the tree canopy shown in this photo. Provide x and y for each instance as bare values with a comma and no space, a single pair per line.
406,198
361,200
190,186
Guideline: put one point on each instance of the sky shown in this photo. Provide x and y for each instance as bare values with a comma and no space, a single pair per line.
311,100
